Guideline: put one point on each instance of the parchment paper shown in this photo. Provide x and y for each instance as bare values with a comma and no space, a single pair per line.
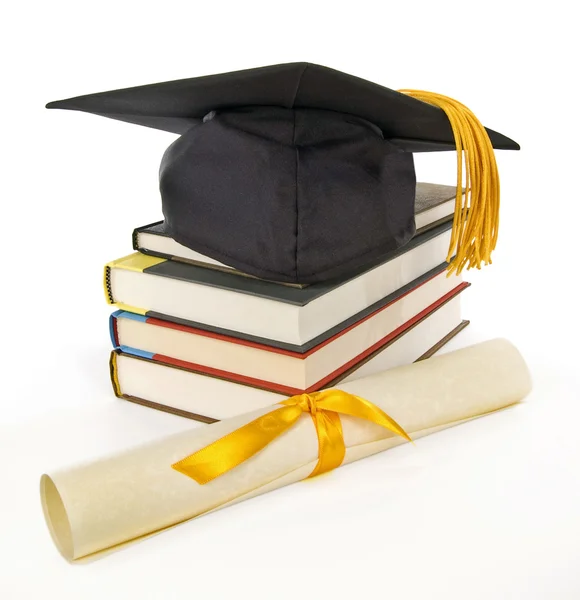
94,507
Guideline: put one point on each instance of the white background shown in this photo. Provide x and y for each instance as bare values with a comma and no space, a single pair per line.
487,510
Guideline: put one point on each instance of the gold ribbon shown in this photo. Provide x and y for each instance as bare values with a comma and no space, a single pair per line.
228,452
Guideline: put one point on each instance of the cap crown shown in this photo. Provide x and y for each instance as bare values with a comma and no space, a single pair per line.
294,195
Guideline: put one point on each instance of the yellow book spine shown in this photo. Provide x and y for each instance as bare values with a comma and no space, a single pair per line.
107,285
133,262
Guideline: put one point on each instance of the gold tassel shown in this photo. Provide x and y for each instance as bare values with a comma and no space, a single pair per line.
476,219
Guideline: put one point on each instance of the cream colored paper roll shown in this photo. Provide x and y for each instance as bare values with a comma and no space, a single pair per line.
95,507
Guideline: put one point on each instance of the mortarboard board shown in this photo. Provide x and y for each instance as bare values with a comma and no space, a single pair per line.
300,173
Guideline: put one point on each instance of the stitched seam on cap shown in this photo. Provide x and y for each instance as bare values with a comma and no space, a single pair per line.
295,197
296,172
298,84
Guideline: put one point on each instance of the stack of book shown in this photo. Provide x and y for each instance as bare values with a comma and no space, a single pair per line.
199,339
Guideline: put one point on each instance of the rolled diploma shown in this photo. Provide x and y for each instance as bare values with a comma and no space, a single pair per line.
95,507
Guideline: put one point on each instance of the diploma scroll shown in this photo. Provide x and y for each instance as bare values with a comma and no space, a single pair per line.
96,507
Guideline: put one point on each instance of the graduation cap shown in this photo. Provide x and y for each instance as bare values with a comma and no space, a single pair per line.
300,173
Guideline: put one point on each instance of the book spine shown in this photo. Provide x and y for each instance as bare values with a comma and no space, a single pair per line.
114,374
107,284
134,262
135,238
138,230
113,333
113,368
114,323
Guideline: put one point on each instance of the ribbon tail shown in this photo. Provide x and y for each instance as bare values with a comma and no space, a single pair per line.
238,446
331,448
355,406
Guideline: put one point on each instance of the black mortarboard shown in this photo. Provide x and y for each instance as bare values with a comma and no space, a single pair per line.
294,172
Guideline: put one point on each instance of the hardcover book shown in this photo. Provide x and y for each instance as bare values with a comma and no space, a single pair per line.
263,311
195,394
288,372
434,204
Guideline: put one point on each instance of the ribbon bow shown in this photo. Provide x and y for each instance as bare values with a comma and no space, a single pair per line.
228,452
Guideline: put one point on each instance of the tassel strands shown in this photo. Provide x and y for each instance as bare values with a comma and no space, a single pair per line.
476,219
